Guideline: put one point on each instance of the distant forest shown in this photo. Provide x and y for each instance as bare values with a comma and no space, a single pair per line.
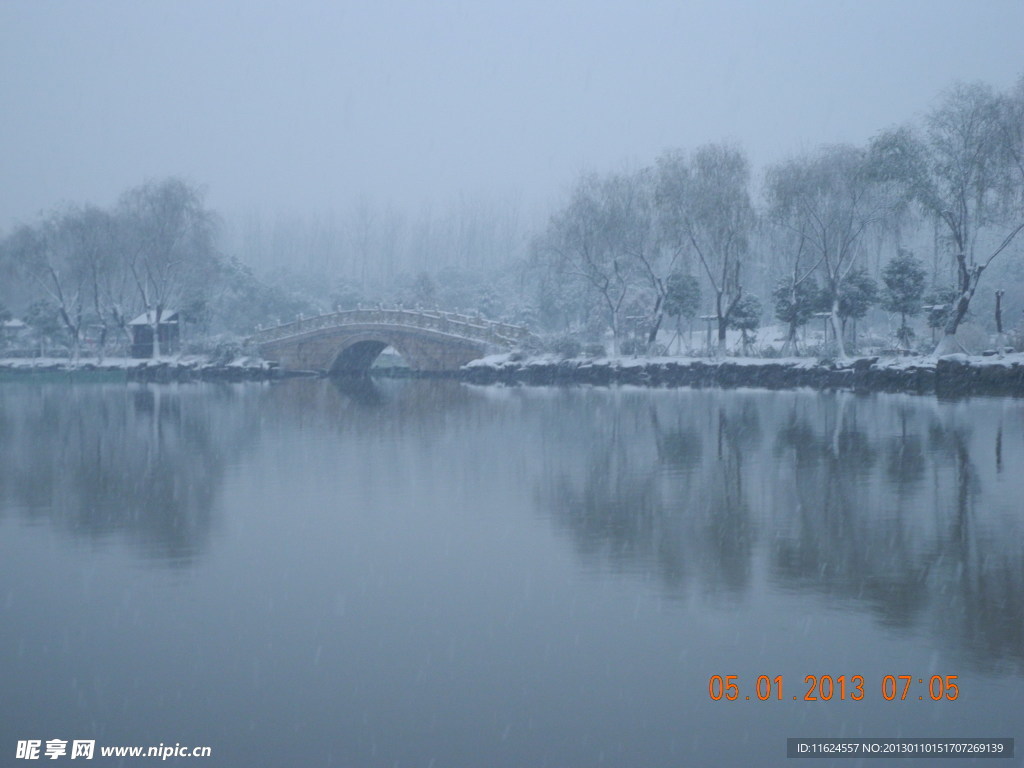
911,243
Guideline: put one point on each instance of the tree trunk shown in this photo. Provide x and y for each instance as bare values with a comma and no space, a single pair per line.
1000,340
156,332
789,346
790,343
73,331
101,351
948,344
958,313
837,329
652,336
968,278
722,323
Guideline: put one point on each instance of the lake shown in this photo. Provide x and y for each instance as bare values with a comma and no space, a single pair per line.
424,573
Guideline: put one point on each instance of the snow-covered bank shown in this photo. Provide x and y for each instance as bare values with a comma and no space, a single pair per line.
949,375
183,368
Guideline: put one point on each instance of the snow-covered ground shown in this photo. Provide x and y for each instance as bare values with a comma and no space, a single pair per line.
163,369
628,361
124,363
82,362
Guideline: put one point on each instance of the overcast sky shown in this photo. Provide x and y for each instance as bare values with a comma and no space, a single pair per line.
304,106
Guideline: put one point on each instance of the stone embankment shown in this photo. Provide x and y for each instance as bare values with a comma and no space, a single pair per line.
952,375
194,368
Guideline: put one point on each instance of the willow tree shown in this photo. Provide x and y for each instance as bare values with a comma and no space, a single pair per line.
594,240
45,261
168,241
965,170
829,200
66,258
796,293
704,204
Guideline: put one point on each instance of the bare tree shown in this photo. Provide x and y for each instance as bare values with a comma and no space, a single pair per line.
95,240
168,247
704,203
65,258
966,170
796,293
595,240
1011,140
828,200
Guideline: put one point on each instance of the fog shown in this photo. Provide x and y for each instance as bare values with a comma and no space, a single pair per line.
376,568
303,109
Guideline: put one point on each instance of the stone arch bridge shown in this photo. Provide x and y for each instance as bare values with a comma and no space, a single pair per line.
349,341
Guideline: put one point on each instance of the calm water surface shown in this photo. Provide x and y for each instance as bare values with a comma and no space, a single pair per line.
430,574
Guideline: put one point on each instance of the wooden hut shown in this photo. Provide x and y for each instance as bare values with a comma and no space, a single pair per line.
142,333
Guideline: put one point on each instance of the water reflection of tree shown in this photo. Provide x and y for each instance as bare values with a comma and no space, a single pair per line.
871,502
985,610
916,555
844,537
727,522
140,463
680,510
614,511
905,463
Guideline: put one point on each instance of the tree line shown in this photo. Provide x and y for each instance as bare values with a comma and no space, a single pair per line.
684,235
79,274
832,233
91,268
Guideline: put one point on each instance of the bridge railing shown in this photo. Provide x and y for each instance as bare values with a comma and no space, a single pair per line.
451,323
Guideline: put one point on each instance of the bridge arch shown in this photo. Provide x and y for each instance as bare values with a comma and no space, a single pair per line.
358,352
349,341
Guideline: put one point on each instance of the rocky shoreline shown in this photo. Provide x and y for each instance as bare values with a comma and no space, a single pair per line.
157,371
951,375
948,376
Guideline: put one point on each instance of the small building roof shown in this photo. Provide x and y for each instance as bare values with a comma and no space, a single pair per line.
147,318
14,324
